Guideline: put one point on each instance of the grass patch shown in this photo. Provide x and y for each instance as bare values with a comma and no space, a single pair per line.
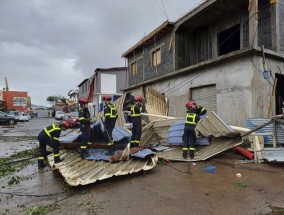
241,185
41,210
18,139
16,162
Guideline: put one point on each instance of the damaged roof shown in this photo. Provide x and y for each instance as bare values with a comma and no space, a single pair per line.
77,171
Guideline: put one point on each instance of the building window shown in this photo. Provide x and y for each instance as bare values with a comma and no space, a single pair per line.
133,68
156,57
229,40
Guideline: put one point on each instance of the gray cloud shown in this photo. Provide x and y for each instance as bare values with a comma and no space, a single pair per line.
48,47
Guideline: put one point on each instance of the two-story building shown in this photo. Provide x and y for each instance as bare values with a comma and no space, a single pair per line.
226,55
110,81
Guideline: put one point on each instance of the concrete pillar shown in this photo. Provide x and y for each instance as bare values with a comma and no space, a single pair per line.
253,23
275,26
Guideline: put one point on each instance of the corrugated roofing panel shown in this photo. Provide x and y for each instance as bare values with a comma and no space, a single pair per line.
253,123
273,154
217,146
77,171
215,126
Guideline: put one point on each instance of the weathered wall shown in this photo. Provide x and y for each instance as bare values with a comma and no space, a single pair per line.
264,24
121,81
242,92
281,24
143,59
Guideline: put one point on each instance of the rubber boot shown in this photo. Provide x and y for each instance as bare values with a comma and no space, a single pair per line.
191,154
57,159
132,144
110,144
84,153
41,164
184,154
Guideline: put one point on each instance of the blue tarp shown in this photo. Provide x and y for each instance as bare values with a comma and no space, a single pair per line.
143,153
97,134
175,133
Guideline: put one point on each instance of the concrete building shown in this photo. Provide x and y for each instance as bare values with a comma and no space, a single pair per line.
16,100
110,81
226,55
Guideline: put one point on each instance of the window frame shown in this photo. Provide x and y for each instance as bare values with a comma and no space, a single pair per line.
156,57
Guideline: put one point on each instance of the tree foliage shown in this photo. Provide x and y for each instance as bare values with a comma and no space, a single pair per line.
56,99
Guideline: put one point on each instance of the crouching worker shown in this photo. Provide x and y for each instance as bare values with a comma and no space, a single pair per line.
189,135
50,136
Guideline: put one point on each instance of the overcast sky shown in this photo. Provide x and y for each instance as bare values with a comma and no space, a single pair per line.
47,47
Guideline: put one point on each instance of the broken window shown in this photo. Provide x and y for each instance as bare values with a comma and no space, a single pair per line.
133,68
229,40
156,57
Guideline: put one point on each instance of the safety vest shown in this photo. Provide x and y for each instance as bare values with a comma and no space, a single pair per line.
190,118
48,130
112,113
133,114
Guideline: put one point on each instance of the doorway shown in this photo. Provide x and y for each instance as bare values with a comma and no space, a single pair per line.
279,93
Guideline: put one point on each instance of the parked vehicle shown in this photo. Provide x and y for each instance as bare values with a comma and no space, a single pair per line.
59,115
13,113
7,119
72,118
24,117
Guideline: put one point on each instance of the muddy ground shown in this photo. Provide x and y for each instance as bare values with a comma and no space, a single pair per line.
169,188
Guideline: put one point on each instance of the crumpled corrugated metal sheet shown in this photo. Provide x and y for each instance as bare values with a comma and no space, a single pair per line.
273,154
214,126
202,153
77,171
223,137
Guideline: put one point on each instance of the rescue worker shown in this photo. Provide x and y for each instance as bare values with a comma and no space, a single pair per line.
110,114
189,136
84,119
50,136
136,109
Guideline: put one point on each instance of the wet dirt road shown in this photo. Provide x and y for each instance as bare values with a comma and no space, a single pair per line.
170,188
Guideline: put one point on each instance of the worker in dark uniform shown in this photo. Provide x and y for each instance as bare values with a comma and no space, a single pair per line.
110,114
50,136
136,109
84,119
189,136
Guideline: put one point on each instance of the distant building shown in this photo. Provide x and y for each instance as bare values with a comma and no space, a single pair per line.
17,100
110,81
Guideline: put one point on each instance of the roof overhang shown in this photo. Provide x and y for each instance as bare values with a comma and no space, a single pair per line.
207,12
154,35
83,82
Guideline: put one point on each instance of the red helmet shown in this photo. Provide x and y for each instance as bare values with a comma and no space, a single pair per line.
83,100
106,98
138,98
65,124
191,105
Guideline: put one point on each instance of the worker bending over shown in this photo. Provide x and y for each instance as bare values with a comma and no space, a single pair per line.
50,136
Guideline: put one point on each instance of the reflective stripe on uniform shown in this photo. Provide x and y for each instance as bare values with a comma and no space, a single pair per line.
56,155
54,127
190,118
133,111
192,149
83,147
40,158
184,149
